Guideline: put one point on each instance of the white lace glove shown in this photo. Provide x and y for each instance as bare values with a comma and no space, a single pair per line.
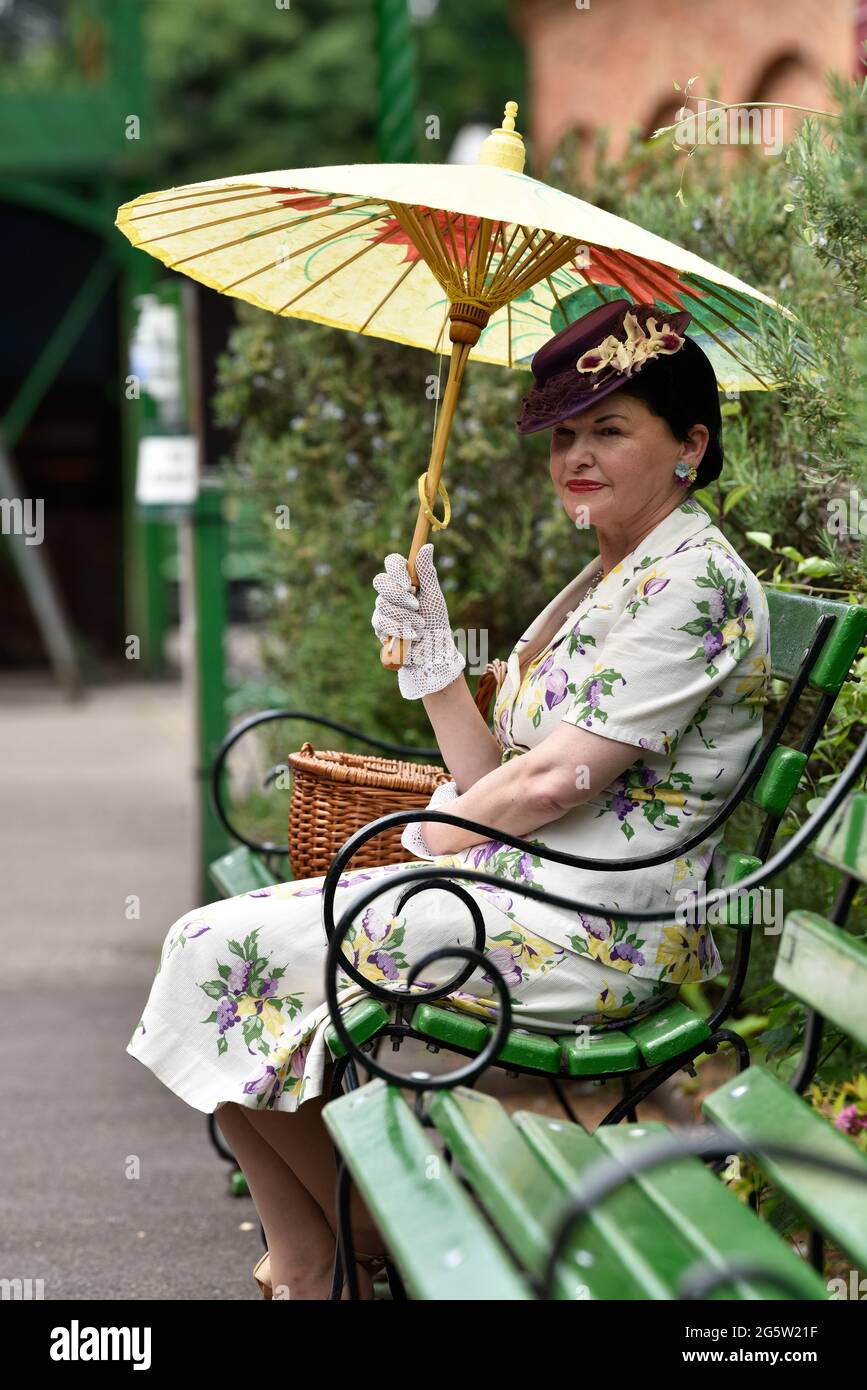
412,838
432,661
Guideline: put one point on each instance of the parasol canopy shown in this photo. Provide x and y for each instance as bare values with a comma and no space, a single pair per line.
449,258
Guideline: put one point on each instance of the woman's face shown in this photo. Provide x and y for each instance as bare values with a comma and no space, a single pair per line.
628,454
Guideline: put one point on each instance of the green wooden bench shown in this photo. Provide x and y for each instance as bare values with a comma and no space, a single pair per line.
814,644
475,1203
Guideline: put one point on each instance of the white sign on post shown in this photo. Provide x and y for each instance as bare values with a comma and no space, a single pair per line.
168,469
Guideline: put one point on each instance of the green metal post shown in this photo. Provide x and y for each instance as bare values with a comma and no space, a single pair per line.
209,624
398,87
141,537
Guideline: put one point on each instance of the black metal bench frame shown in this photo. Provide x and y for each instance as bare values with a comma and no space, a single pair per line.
631,1095
707,1140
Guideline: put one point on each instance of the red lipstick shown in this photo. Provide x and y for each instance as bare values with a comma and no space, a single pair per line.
581,485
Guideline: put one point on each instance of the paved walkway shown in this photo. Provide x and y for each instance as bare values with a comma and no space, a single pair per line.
97,805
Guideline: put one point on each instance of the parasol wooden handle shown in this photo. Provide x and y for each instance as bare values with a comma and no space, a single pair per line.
395,650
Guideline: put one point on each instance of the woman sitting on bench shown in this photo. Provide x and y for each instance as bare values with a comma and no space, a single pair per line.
625,716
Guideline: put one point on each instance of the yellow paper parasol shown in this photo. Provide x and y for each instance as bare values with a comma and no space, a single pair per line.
408,251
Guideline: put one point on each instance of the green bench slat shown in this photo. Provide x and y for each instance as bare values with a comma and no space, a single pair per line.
667,1032
437,1237
821,964
450,1027
524,1201
362,1021
842,841
597,1054
581,1055
779,781
625,1232
720,1228
793,624
529,1050
756,1105
730,866
241,871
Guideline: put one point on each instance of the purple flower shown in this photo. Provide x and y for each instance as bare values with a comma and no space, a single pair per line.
201,928
385,962
555,688
850,1120
373,928
260,893
525,868
546,666
717,605
500,900
712,643
647,777
622,803
599,927
299,1058
269,988
260,1084
239,976
623,951
501,959
344,882
483,853
594,691
227,1014
654,586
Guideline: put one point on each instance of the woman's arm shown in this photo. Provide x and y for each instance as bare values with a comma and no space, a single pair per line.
535,788
470,751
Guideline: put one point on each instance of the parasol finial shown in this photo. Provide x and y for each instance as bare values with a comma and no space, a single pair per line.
504,147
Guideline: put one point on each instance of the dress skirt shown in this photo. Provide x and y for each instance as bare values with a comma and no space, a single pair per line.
237,1010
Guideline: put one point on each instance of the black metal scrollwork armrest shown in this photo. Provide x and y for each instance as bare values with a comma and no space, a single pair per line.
786,855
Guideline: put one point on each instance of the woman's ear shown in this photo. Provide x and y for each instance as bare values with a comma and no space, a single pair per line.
695,444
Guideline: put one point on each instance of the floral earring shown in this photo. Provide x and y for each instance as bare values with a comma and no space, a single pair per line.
685,472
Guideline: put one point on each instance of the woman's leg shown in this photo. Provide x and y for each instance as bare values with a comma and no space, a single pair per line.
303,1143
300,1240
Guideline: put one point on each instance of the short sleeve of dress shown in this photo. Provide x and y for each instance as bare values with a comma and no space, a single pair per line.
687,627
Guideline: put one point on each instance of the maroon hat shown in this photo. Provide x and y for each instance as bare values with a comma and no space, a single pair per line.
593,356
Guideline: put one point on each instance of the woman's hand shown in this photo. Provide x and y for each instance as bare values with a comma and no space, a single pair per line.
432,661
413,838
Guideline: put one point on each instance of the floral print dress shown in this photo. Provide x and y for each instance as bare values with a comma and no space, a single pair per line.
670,653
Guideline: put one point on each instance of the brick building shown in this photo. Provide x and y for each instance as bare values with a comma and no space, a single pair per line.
613,64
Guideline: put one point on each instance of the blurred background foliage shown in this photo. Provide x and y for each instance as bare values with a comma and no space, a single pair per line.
240,87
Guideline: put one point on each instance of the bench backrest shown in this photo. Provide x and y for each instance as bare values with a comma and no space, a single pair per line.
800,658
818,962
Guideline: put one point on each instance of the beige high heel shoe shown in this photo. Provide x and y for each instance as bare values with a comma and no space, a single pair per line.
373,1264
262,1275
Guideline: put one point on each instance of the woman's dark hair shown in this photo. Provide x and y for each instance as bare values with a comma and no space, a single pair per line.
682,388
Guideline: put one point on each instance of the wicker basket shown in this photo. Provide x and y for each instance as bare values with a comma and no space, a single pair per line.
334,794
